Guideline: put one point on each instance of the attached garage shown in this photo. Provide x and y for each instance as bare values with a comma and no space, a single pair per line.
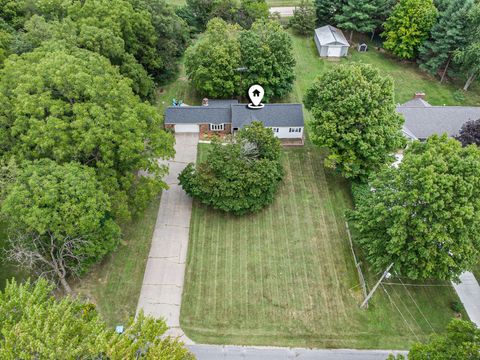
331,42
187,128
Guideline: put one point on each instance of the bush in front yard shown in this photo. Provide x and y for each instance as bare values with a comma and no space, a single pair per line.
238,177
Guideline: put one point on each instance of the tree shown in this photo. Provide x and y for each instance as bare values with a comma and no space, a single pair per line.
468,57
69,104
327,10
357,15
470,133
212,62
34,324
409,26
461,341
424,217
354,116
197,13
251,11
267,56
304,18
59,220
239,177
448,35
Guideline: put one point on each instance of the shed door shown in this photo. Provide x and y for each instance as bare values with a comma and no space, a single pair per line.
187,128
334,51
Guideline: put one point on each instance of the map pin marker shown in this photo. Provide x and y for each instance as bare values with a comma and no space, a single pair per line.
255,93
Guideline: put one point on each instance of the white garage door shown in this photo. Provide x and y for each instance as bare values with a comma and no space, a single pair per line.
187,128
334,51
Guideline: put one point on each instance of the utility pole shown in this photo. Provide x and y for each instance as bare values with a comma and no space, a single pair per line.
385,274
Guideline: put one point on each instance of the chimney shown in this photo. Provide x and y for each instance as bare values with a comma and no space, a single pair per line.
419,95
205,102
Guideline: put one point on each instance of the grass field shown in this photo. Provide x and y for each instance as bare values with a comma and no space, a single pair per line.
285,276
114,285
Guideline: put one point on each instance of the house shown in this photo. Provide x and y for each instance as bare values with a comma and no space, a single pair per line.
423,120
331,42
223,117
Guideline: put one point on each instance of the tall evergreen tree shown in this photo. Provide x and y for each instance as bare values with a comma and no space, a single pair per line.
448,35
326,11
304,18
357,15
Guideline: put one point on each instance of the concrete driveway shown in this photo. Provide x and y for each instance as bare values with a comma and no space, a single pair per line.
161,293
284,11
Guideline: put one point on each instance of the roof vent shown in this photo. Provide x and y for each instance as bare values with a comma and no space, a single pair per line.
205,102
419,95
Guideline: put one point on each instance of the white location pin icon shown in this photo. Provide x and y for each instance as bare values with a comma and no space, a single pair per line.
255,93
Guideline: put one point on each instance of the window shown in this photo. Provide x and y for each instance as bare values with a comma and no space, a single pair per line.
295,130
217,127
275,130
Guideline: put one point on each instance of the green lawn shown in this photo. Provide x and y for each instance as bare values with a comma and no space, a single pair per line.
285,276
114,285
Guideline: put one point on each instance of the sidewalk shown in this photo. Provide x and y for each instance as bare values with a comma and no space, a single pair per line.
469,293
161,293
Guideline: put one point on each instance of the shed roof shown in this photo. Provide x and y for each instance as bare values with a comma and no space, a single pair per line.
197,115
271,115
329,35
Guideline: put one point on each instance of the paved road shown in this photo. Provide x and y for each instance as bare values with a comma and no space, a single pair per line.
215,352
469,293
161,293
284,11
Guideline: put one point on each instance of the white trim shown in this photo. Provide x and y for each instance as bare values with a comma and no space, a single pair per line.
216,127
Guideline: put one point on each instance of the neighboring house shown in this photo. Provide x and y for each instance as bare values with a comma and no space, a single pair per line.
222,117
423,120
331,42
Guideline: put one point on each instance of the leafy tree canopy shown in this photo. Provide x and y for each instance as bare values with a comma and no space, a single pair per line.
461,341
267,56
424,217
358,15
34,324
327,10
448,35
409,26
49,204
470,133
304,18
69,104
212,62
354,116
238,177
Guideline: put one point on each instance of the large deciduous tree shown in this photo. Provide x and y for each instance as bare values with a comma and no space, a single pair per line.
59,219
424,217
251,11
34,324
409,26
239,177
448,35
69,104
304,18
212,63
460,341
354,116
267,56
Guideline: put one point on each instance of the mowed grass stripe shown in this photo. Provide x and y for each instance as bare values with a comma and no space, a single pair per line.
272,265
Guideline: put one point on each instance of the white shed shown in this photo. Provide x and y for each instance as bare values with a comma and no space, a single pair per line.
331,42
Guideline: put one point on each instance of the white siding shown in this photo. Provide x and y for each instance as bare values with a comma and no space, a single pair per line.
285,133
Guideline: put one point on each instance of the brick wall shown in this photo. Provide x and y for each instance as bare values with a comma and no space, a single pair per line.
205,133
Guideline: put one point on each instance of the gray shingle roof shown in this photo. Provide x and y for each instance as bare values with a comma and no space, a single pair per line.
329,35
271,115
429,120
222,103
197,115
